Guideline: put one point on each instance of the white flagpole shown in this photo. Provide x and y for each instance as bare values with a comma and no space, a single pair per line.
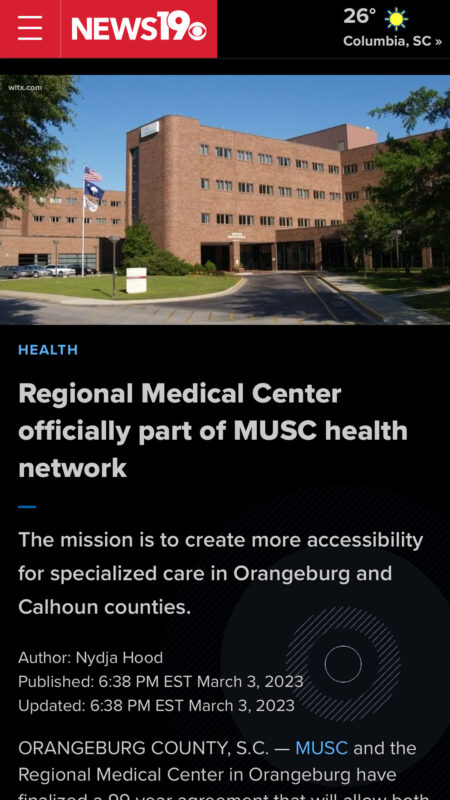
82,224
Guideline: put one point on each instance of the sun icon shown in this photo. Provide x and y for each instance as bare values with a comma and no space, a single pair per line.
396,19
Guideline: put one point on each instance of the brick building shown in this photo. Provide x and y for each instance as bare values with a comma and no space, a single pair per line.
237,198
31,238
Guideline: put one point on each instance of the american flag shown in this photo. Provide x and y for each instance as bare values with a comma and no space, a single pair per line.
91,175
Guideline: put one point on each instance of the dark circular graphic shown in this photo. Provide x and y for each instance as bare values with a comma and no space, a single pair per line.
367,661
344,663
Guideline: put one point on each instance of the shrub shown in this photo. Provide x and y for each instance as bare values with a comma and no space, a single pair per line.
436,276
162,262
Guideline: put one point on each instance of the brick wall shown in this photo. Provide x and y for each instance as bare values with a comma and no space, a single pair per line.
27,235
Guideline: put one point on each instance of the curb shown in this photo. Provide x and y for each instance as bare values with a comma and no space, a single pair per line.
354,299
64,300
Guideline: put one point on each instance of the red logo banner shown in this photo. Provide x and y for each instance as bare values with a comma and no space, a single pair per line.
109,29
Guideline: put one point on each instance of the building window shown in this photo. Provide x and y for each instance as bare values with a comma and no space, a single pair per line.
55,219
71,219
303,193
57,200
335,195
101,220
267,220
335,222
116,221
368,166
204,149
245,187
284,161
304,222
103,203
320,223
224,186
71,201
116,203
368,192
285,222
88,220
42,200
318,194
244,155
223,152
204,183
301,164
264,158
350,168
135,185
246,219
317,166
264,188
285,191
38,219
224,219
333,169
351,196
205,216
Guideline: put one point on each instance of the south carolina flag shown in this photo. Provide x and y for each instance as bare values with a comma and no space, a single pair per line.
93,190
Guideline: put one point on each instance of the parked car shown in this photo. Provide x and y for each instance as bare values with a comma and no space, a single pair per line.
87,270
25,271
60,270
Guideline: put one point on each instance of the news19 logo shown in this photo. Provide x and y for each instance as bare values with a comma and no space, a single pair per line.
165,25
109,29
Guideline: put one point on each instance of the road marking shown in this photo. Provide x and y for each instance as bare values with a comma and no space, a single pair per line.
275,320
252,319
189,316
321,299
170,315
231,316
210,315
300,321
156,311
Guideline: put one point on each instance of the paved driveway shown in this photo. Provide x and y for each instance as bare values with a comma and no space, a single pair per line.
272,299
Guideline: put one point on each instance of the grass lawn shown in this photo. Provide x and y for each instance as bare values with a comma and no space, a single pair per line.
387,282
100,287
438,304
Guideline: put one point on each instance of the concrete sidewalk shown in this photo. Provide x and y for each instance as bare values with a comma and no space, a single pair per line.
383,307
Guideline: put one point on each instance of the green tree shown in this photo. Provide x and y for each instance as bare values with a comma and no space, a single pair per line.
369,229
31,155
139,249
415,188
423,102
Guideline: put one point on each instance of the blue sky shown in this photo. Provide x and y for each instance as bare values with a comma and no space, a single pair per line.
280,106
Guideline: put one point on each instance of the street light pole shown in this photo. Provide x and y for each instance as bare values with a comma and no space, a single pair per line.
56,243
344,242
114,240
397,234
366,236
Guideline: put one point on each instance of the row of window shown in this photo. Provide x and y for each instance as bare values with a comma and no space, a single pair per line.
72,201
264,188
283,222
267,158
368,166
88,220
349,196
